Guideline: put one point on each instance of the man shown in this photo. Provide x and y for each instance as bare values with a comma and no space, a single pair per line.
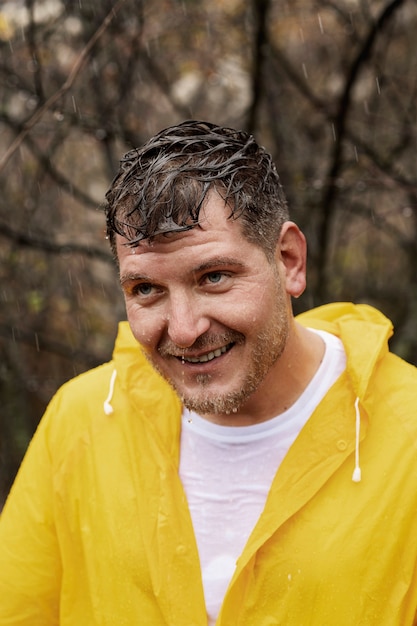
231,464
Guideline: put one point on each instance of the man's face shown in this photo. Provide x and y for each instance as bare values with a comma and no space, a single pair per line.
211,312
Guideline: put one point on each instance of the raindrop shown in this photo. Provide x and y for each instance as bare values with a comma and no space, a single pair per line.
31,103
32,65
182,370
320,23
101,134
189,418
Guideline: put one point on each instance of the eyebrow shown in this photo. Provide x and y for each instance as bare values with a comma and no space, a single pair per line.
218,262
128,278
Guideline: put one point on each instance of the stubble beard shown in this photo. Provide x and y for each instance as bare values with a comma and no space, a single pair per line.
269,346
265,354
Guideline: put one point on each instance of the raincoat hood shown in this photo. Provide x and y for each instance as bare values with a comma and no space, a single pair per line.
134,376
364,332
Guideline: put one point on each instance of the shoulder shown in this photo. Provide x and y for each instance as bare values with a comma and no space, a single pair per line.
397,377
88,390
393,392
75,408
118,395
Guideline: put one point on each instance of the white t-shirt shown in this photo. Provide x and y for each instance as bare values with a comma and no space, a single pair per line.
227,472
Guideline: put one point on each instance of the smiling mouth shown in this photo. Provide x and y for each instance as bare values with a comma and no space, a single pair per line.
209,356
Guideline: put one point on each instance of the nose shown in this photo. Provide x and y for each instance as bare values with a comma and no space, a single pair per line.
186,320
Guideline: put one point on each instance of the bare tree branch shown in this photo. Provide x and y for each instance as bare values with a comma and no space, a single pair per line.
78,66
339,130
260,9
29,241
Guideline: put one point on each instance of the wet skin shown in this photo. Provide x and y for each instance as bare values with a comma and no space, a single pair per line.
214,316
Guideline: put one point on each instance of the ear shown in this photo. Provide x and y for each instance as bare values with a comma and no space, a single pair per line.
291,255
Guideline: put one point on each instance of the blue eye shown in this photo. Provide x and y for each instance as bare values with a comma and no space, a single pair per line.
144,289
214,277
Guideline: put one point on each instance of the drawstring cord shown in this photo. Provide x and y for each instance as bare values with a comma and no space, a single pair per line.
108,409
357,473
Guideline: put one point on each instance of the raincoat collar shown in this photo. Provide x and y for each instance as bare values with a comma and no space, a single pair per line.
364,332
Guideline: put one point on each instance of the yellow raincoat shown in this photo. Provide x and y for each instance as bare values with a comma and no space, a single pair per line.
97,532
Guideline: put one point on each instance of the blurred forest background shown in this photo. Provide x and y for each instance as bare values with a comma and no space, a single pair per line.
328,86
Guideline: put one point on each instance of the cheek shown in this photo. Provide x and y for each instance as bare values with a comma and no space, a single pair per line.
269,311
254,311
146,328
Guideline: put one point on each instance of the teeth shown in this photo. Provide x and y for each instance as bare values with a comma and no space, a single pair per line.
206,357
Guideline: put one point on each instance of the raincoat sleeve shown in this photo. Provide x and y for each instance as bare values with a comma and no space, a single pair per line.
30,570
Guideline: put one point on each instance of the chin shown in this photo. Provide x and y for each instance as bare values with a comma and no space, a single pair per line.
215,403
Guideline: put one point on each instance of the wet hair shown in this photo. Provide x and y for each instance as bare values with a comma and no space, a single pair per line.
161,186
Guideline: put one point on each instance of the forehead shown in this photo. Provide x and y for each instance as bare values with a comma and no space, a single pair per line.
215,232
